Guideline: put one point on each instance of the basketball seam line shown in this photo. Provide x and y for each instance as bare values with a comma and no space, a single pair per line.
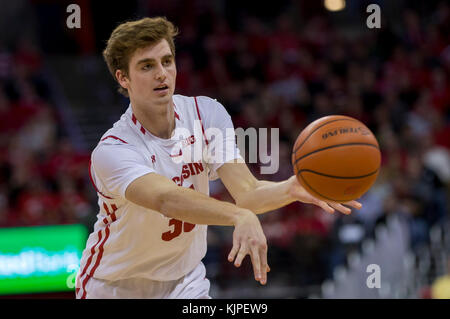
334,200
332,146
320,127
340,177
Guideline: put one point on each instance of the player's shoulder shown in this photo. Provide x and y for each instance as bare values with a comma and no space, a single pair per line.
116,144
119,134
207,101
200,100
202,106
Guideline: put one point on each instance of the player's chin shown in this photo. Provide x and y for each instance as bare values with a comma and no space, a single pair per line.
163,98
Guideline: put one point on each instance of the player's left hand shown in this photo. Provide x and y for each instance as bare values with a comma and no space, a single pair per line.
299,193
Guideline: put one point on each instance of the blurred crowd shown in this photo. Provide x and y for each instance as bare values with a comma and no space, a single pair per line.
42,177
283,74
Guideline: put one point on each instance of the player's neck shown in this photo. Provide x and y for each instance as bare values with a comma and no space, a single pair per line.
159,120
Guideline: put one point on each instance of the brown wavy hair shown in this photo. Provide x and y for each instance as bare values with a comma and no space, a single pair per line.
132,35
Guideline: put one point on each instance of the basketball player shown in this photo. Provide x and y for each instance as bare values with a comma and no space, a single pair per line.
150,236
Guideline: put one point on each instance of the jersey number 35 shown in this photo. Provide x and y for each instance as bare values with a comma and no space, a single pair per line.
178,228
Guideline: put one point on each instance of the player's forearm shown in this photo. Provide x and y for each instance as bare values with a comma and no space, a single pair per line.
266,196
197,208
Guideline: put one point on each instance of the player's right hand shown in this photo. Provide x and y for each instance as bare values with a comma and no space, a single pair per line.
249,239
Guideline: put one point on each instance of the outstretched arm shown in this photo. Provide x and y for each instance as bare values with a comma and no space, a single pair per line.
159,193
263,196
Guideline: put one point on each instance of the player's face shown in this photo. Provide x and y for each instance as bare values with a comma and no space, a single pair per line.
152,74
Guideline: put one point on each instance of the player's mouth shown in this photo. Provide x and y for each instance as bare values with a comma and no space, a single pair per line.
162,89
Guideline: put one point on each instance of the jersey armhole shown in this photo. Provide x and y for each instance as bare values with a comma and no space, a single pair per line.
93,183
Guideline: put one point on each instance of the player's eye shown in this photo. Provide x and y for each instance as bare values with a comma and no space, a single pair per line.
146,67
167,62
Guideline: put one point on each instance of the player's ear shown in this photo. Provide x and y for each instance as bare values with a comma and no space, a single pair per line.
122,78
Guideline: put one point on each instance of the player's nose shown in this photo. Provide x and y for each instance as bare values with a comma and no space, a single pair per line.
160,73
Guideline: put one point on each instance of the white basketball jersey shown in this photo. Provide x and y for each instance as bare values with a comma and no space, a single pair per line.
130,241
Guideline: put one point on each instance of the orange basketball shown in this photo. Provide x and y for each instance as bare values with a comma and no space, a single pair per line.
336,158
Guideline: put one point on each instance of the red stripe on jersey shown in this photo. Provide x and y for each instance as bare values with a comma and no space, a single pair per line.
105,220
135,121
114,137
113,215
100,252
97,262
200,118
93,184
88,263
106,208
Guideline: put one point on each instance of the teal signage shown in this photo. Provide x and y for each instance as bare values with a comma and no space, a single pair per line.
41,258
